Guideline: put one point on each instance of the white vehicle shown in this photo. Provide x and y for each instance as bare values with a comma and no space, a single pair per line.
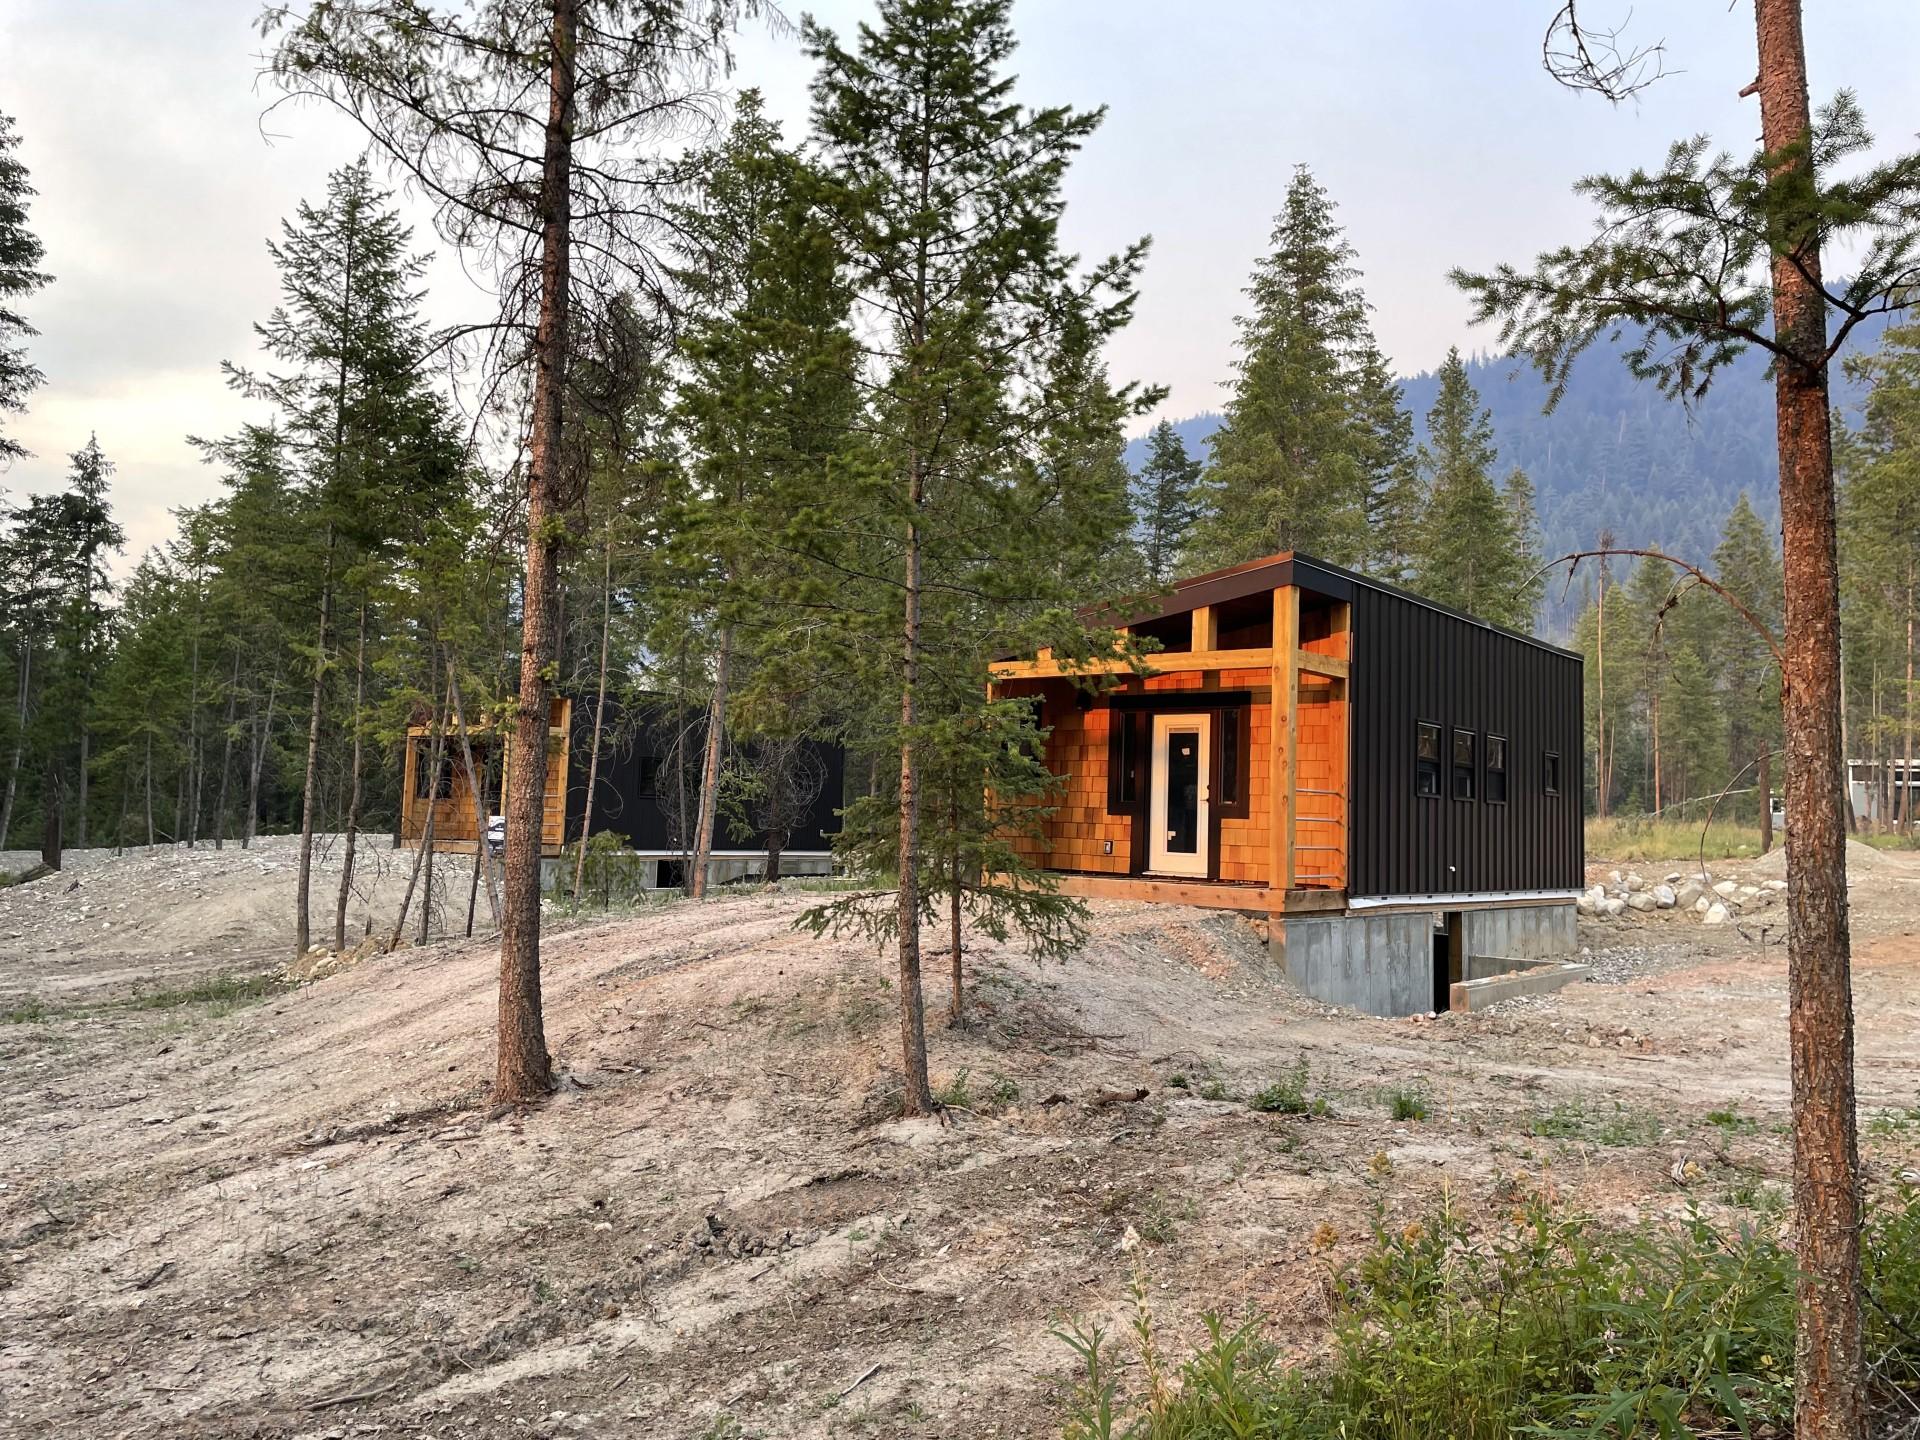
1779,808
496,834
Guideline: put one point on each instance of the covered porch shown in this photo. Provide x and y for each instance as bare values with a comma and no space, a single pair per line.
1218,777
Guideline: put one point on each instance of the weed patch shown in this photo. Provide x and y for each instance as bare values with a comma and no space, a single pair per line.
1288,1095
222,995
1552,1327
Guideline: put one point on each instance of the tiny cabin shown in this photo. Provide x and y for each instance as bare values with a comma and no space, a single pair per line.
448,799
1394,785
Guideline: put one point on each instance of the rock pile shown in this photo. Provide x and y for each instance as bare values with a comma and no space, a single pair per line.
1711,902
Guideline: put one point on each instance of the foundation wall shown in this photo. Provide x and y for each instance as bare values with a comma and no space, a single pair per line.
1384,964
1521,932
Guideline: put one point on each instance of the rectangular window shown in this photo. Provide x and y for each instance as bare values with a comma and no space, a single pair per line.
1126,754
1463,771
1426,761
648,781
1551,778
423,772
1230,749
1496,769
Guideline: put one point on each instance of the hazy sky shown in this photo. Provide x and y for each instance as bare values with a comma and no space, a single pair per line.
1430,122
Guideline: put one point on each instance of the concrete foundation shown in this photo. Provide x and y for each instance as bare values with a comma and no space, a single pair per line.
1521,932
1387,963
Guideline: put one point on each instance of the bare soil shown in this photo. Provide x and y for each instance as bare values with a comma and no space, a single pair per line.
300,1217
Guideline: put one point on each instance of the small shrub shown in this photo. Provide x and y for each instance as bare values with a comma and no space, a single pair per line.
1177,1081
1288,1095
1407,1103
1616,1128
957,1091
1214,1090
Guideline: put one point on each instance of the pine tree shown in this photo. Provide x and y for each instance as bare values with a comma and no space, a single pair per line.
1297,460
1693,259
1169,502
946,194
1396,493
1473,552
20,276
354,406
1747,563
767,406
557,188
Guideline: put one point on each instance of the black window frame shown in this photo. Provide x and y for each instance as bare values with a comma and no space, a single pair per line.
646,774
1489,769
1425,770
1470,772
1233,771
423,783
1550,772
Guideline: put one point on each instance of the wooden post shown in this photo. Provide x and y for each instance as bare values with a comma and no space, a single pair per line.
1285,729
1206,631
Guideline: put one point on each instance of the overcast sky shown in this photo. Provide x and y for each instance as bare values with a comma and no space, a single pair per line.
1431,123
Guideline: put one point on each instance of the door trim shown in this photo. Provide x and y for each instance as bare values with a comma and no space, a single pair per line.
1159,861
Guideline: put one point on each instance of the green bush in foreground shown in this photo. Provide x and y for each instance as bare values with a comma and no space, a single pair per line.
1555,1328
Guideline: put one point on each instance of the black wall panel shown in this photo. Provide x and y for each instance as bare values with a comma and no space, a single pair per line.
1413,663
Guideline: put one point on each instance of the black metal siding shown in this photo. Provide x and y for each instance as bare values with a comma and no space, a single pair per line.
1414,663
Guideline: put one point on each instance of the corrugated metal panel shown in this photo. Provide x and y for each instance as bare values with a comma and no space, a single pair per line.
1414,663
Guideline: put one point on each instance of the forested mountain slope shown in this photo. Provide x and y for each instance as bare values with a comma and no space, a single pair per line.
1616,454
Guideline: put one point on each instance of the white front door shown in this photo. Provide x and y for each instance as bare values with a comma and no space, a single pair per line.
1177,837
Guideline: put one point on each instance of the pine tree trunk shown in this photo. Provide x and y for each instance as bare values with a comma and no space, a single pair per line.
1765,783
954,950
599,714
345,892
1906,722
1600,688
1846,753
310,790
1829,1374
193,736
19,742
522,1067
80,811
53,800
260,739
1655,715
126,809
480,862
226,759
918,1094
423,855
147,774
776,847
710,766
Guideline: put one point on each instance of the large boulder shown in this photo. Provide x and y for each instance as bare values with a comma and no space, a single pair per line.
1717,914
1636,882
1664,897
1639,900
1613,906
1726,889
1586,904
1688,893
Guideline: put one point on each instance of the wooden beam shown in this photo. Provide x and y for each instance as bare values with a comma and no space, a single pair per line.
1172,662
1314,664
1210,894
1285,729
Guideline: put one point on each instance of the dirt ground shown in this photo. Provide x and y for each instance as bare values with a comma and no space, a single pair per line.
298,1216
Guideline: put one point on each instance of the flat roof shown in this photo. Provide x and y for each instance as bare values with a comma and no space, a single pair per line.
1289,567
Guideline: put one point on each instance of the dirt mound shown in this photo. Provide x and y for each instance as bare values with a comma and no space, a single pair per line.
1862,861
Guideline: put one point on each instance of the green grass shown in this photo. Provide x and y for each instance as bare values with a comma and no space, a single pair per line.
222,994
1731,1121
26,1011
1553,1327
1637,838
1617,1126
1288,1095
